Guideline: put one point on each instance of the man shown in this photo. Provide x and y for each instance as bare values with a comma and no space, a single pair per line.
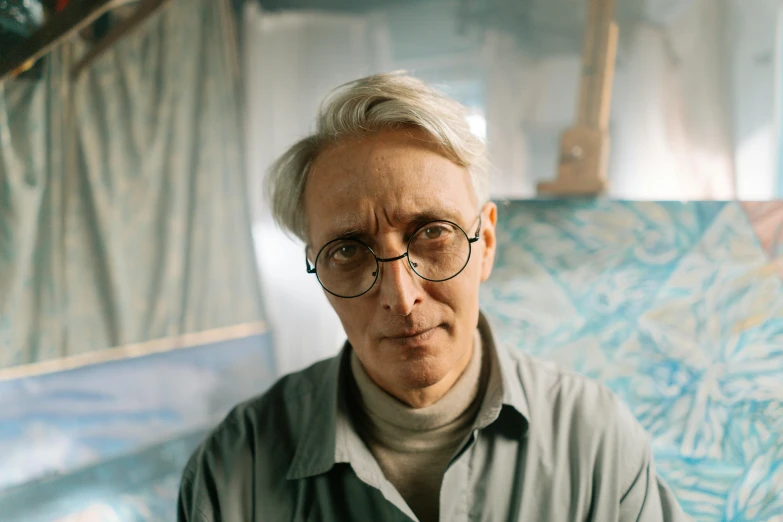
421,416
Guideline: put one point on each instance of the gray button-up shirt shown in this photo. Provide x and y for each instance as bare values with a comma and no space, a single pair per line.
546,445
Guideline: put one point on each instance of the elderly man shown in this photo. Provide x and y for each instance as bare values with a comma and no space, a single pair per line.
421,416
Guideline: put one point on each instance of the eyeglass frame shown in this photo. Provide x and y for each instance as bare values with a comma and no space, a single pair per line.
379,260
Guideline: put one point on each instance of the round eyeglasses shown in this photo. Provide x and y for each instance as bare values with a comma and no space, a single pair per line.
437,251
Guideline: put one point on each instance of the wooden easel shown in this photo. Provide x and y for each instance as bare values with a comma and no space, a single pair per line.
584,148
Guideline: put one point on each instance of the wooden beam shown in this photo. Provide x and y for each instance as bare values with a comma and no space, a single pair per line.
600,52
146,9
584,148
74,17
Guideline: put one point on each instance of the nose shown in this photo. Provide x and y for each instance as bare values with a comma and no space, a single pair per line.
400,289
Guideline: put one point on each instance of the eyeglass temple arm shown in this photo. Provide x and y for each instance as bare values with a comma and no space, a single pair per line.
307,262
478,231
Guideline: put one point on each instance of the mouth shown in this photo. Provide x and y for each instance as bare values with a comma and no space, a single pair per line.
412,336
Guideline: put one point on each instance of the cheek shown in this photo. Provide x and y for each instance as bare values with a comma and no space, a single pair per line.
459,293
473,274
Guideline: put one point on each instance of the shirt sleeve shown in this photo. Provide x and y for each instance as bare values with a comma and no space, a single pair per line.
217,484
648,498
628,465
192,492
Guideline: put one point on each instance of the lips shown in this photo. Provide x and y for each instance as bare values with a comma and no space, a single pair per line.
407,335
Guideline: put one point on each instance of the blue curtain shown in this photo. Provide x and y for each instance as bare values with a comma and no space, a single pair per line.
123,212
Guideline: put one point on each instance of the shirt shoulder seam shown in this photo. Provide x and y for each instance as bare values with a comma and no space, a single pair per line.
549,367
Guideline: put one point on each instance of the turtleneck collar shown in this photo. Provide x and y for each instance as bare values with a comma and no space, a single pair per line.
400,427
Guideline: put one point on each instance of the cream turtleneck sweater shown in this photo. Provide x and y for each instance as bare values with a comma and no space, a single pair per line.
413,446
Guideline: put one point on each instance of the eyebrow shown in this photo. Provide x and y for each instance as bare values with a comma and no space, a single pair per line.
351,231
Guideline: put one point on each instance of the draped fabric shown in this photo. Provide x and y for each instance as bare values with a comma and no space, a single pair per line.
672,113
778,146
671,121
123,210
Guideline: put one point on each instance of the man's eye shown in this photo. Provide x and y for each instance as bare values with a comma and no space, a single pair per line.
433,232
344,252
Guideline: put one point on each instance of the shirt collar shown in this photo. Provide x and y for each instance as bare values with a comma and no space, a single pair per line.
329,437
506,388
315,451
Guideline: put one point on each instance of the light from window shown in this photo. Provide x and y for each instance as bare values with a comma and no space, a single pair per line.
478,125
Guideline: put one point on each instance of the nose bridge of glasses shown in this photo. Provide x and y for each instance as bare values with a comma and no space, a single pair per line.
396,278
411,262
390,259
395,258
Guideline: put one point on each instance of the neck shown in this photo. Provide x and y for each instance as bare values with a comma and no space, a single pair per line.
423,397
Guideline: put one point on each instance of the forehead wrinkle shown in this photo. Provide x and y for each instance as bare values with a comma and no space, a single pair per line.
356,222
424,208
346,223
377,189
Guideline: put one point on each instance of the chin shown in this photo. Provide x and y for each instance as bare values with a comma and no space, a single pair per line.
416,373
415,363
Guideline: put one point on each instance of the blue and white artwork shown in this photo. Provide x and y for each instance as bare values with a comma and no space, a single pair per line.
678,308
115,436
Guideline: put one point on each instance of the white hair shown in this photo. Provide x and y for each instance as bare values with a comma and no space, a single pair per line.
364,107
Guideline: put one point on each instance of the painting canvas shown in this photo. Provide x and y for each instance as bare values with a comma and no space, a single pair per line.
113,437
678,308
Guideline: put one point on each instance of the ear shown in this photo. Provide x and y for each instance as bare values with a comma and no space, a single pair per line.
489,219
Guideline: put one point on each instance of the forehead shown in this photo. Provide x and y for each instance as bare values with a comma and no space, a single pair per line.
388,179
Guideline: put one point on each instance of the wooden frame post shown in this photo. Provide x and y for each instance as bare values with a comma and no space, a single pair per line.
584,148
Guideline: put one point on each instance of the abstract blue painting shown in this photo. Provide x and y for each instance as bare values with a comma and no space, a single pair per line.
111,437
678,308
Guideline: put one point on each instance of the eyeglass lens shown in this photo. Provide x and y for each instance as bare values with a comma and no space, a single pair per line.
437,252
